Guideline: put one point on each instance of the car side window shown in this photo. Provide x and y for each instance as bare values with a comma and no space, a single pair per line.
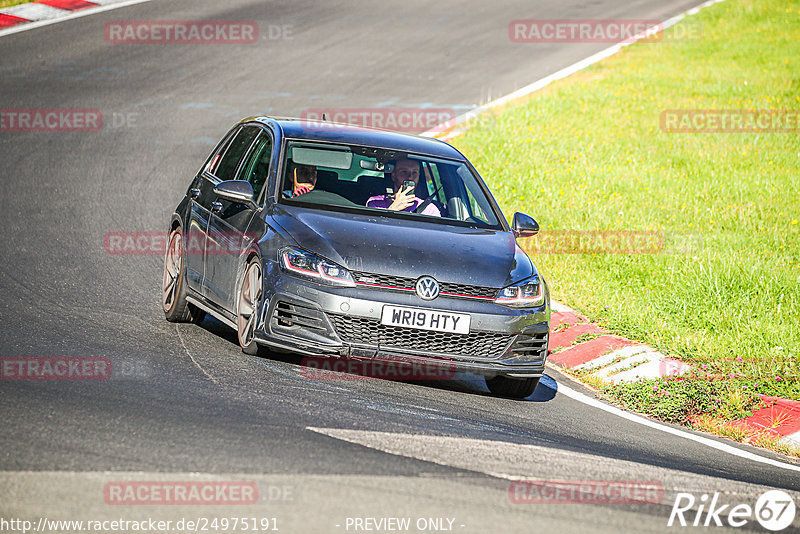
202,183
215,156
256,166
434,182
226,168
476,209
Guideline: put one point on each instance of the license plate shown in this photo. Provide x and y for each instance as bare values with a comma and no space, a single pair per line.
438,321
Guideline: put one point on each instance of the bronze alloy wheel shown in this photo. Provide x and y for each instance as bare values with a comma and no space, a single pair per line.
249,297
173,288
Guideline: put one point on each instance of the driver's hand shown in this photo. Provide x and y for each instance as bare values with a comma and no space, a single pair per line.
302,190
402,200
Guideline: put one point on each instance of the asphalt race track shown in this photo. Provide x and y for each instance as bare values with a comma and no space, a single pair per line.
187,404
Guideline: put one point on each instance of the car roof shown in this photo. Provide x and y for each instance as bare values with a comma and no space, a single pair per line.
308,129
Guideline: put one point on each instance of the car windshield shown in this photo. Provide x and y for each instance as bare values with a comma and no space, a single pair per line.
345,177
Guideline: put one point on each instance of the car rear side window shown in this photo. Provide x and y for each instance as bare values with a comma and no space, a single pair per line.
226,168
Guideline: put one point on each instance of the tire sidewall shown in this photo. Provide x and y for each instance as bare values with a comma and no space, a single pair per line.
177,308
252,347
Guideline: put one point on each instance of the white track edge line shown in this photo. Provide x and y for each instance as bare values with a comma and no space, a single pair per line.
462,118
575,395
722,447
445,130
24,26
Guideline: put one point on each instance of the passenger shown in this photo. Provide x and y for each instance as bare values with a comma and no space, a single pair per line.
304,179
404,169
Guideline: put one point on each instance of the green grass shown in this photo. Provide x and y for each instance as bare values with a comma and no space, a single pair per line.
702,402
9,3
682,400
588,154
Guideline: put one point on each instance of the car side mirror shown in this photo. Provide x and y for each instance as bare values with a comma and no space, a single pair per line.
236,191
524,225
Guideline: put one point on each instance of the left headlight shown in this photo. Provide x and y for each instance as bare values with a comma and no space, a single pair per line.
525,294
310,266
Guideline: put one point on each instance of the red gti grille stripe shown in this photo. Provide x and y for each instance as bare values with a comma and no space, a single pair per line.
465,296
385,287
407,289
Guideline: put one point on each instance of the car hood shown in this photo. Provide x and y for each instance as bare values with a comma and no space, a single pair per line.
408,248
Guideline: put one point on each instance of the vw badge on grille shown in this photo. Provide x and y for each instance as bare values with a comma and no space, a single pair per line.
427,288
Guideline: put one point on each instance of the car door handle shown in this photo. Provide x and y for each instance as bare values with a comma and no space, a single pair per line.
194,193
216,207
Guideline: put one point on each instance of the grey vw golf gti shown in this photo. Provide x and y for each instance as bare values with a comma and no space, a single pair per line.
336,241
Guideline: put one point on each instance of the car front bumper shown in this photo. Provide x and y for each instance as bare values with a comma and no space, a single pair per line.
319,321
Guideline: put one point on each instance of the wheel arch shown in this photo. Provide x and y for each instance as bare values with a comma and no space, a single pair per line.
247,256
175,223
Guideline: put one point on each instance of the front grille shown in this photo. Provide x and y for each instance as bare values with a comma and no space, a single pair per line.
408,284
385,280
470,291
372,332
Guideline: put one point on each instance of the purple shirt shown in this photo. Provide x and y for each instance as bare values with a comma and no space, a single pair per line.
382,201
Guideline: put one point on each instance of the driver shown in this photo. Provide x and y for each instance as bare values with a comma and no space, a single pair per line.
404,200
304,179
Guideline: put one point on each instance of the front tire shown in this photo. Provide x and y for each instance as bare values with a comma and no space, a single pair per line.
247,310
173,288
513,388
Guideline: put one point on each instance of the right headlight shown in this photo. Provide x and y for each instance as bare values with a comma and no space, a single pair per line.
525,294
310,266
